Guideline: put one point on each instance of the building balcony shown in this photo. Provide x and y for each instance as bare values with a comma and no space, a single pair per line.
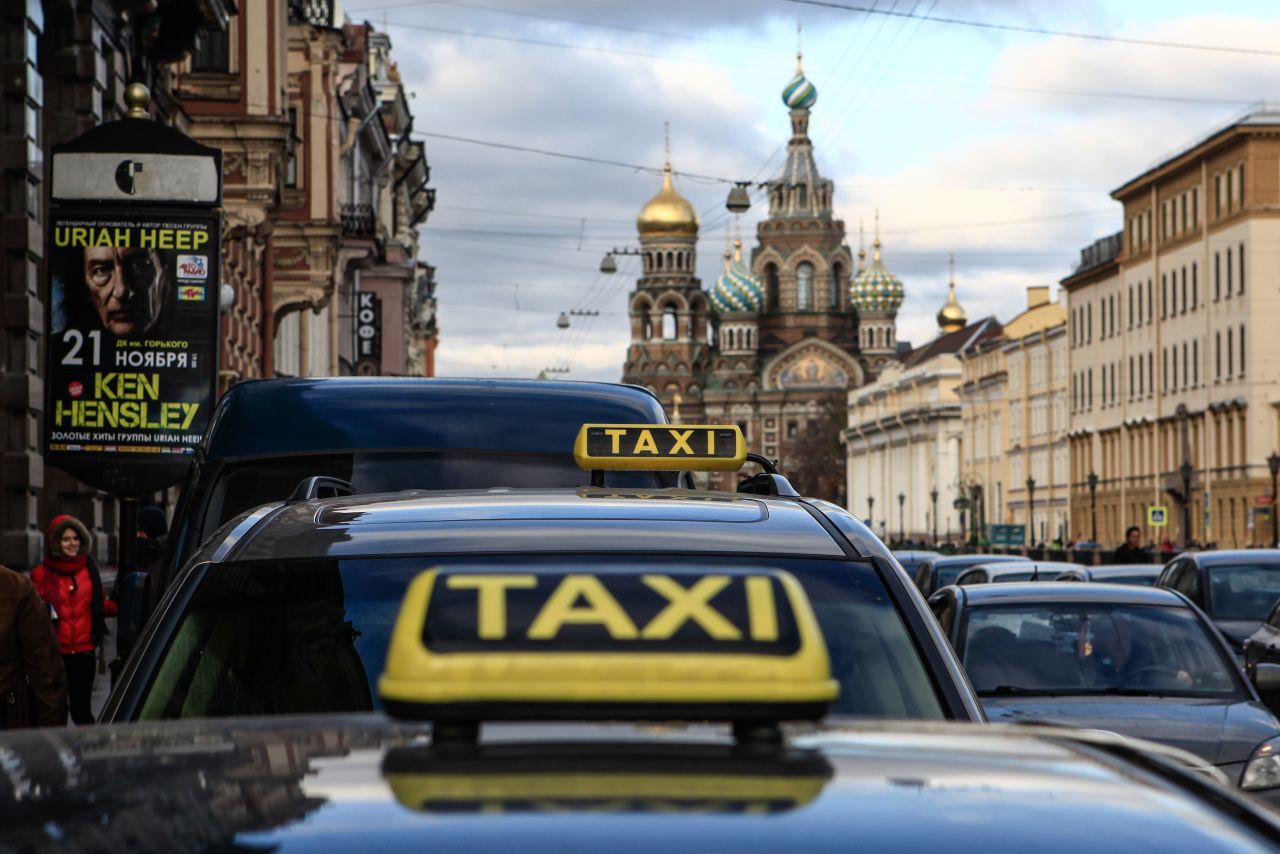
358,220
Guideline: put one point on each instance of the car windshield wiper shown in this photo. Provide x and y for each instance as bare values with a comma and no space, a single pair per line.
1125,691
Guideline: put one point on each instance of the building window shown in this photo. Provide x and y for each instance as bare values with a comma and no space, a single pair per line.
1228,273
1242,349
1217,276
1240,177
1130,306
1151,371
291,159
1184,211
1241,268
1231,359
1090,397
213,52
669,323
1186,375
1195,362
837,273
1089,323
1195,207
793,429
804,286
1131,383
1164,369
1184,290
1195,286
1164,296
771,285
1114,390
1217,196
1217,355
1151,305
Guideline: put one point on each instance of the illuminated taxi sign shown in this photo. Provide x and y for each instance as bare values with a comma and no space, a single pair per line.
666,447
681,643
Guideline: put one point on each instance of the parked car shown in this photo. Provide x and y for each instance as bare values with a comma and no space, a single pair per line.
944,570
1009,571
1262,657
1140,574
1142,662
1237,588
912,558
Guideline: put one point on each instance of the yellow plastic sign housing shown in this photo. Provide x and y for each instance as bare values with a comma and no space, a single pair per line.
660,447
681,643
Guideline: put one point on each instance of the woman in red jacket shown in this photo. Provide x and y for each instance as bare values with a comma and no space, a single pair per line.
68,580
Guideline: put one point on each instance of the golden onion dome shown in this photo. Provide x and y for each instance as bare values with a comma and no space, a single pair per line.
668,214
951,317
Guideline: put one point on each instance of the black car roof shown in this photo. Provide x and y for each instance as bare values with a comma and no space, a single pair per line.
1019,592
313,415
1218,558
544,520
974,560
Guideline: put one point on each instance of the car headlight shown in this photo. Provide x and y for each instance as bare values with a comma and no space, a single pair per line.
1263,769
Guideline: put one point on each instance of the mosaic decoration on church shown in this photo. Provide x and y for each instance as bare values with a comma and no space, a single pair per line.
812,372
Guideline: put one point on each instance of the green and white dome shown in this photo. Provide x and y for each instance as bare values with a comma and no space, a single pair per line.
736,290
875,288
799,94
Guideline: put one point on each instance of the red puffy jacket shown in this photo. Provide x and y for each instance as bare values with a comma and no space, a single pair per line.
73,588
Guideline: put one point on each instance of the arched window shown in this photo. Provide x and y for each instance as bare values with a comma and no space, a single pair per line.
670,262
648,329
659,259
771,285
669,323
804,286
837,274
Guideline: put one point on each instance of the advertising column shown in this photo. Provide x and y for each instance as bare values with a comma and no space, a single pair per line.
132,317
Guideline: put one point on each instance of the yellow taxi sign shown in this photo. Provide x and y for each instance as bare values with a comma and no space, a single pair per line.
660,447
678,642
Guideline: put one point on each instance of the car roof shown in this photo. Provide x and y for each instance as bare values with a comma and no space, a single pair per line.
1125,569
1067,591
536,520
916,554
975,560
1216,558
367,781
1024,565
336,414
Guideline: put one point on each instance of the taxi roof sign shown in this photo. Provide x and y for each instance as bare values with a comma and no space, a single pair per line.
660,447
688,643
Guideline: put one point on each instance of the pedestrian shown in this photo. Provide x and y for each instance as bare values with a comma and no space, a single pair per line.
153,535
33,685
68,580
1131,551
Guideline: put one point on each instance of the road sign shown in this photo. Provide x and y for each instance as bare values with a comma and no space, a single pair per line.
1158,516
1008,535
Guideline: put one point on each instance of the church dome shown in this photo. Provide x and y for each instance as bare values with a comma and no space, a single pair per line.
736,290
875,288
951,317
799,94
668,214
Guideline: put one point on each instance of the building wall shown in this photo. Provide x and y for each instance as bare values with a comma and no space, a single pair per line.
1206,407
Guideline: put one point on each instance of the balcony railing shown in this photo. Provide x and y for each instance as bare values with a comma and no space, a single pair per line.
358,220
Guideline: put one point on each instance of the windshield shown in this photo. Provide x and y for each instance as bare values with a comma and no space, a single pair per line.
1088,648
1028,575
1145,580
1243,591
311,636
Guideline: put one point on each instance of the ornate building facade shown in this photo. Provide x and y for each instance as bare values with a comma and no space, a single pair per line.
777,342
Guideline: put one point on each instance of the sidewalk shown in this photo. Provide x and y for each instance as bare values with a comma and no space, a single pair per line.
102,682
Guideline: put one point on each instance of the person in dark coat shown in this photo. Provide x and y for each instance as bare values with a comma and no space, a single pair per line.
1131,551
33,685
68,580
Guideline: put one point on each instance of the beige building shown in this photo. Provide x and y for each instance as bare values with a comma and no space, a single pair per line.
1173,386
904,436
1014,423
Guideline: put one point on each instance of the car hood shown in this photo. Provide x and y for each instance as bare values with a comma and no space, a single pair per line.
1237,631
1219,732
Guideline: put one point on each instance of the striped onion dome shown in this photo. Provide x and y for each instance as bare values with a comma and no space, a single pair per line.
736,290
875,288
799,93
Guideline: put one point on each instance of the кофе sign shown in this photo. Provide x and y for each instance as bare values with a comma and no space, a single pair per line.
132,303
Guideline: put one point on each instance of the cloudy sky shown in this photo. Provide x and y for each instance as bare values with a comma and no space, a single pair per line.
998,144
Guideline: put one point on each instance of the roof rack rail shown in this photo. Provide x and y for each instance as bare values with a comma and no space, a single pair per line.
320,486
767,482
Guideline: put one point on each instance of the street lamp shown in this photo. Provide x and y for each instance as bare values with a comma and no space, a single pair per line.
1093,506
871,510
1031,513
1185,471
933,497
1273,463
902,525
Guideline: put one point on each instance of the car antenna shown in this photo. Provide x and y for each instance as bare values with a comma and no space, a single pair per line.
1035,572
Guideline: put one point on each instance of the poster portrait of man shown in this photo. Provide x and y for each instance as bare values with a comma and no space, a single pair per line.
119,289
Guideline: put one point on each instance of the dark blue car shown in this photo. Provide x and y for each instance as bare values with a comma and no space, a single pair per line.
1142,662
1236,588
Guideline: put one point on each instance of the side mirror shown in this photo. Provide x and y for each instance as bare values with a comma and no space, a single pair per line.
1266,676
134,595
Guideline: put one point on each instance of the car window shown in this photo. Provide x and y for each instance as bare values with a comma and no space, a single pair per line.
1071,575
311,636
1243,591
1092,648
944,611
1185,578
243,486
976,576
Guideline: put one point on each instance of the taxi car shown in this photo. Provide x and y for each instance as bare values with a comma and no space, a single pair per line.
621,709
1139,574
268,437
288,608
1137,661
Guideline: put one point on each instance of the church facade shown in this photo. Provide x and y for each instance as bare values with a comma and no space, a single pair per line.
778,341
